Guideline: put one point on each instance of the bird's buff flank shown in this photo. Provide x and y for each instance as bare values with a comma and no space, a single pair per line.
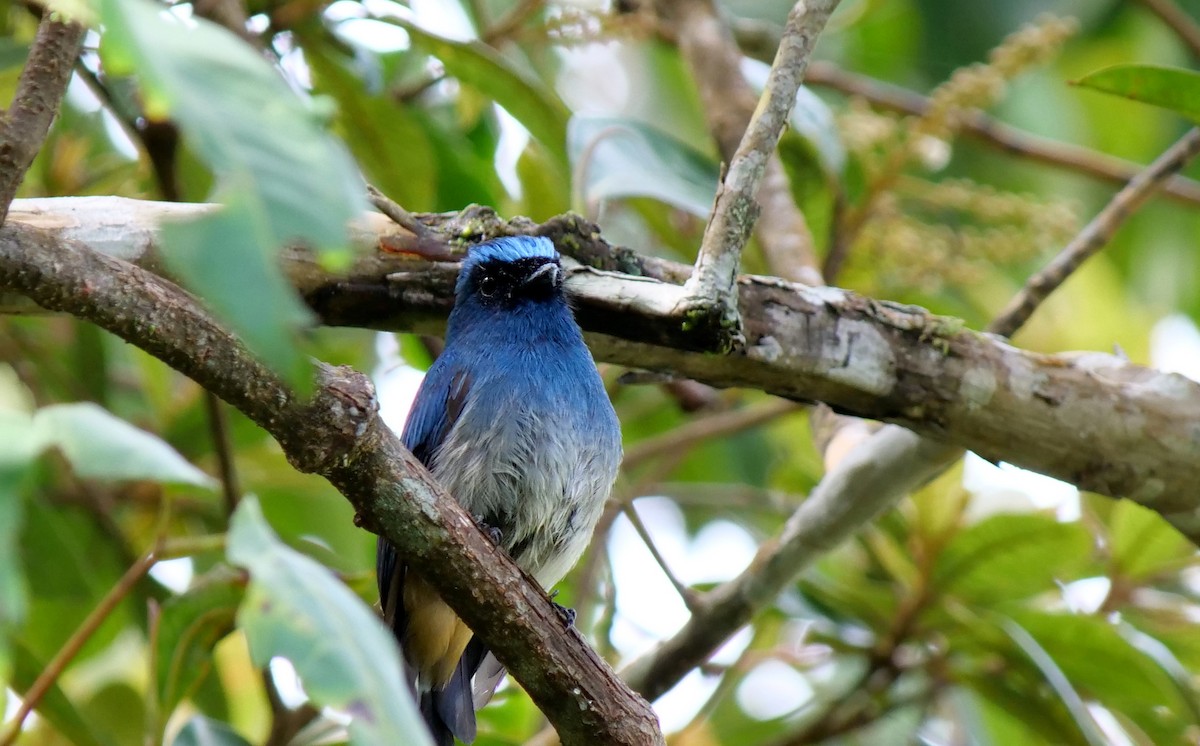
514,421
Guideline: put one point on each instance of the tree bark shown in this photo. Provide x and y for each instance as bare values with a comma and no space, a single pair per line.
1091,419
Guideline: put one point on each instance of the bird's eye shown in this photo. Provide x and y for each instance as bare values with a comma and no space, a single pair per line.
489,286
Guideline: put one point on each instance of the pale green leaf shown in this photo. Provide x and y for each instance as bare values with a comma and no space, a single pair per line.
100,445
525,97
615,158
1169,87
282,176
222,257
239,115
297,609
1010,557
203,731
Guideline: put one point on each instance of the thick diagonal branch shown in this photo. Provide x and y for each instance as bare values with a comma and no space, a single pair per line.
339,436
40,90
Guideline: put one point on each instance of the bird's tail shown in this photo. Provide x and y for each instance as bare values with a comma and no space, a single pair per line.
450,711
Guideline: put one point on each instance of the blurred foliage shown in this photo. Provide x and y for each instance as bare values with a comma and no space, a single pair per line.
978,612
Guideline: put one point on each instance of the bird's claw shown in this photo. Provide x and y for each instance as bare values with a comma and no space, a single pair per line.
565,613
492,532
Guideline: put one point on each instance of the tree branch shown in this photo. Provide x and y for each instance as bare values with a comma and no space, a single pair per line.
1095,234
40,90
712,54
1092,419
1180,22
993,133
867,482
340,436
711,298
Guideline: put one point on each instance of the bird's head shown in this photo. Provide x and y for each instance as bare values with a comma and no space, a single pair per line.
506,272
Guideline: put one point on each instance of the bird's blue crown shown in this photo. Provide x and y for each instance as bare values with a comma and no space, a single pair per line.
510,249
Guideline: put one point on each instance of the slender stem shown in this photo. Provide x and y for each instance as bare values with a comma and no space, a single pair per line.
687,594
701,429
1095,234
398,214
75,643
218,425
713,284
988,131
1180,22
40,90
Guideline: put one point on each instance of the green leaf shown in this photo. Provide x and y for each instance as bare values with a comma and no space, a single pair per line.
545,192
274,162
1141,542
346,658
54,706
1011,556
100,445
222,257
623,158
190,626
17,449
525,97
202,731
388,141
1103,664
814,121
1058,681
1169,87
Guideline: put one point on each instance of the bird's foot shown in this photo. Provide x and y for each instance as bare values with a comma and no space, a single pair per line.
565,613
492,532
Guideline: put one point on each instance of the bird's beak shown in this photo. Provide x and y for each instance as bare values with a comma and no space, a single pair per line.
546,274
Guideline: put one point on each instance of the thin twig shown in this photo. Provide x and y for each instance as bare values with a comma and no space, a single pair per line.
1095,234
507,24
687,594
993,133
39,93
706,428
218,425
1180,22
707,45
75,643
711,288
398,214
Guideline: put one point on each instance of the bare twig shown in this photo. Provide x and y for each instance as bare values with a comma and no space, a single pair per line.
687,594
1095,234
40,91
868,481
705,428
711,290
861,356
1180,22
991,132
507,25
708,47
398,214
218,425
285,722
75,643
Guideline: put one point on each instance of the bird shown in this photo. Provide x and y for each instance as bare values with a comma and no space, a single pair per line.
514,421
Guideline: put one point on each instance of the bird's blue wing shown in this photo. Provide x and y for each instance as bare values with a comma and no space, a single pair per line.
439,402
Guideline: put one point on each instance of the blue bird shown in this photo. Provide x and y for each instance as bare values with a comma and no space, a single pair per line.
514,421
